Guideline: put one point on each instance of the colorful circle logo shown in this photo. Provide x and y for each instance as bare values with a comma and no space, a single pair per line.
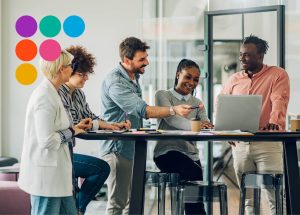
26,26
50,26
50,50
74,26
26,50
26,74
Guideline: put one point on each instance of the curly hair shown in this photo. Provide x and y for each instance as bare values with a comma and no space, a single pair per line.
83,61
261,45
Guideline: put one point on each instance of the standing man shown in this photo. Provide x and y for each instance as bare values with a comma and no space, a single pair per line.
122,97
273,84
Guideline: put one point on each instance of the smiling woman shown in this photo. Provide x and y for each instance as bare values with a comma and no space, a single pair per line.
189,168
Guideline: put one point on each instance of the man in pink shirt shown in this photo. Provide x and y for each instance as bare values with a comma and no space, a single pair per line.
273,84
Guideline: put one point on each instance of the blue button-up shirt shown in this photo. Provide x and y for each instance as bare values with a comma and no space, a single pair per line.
120,95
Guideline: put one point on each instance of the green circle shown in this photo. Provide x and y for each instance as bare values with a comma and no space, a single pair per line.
50,26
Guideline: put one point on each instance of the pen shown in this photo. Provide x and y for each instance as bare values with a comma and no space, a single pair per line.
200,106
126,117
96,117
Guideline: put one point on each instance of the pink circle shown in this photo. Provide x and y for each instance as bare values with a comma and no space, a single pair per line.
50,50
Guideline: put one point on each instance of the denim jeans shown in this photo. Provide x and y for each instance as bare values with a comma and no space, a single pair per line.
41,205
95,171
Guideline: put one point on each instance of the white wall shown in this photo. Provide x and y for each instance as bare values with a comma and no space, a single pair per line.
107,23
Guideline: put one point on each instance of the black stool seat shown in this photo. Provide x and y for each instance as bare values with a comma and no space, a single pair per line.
7,161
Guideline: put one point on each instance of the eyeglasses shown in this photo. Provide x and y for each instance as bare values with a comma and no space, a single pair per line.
82,75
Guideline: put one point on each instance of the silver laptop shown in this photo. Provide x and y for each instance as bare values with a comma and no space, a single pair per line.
238,112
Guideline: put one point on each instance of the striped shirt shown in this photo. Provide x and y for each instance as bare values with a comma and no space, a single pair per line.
77,105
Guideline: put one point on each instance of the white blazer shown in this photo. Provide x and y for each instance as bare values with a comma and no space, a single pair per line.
46,168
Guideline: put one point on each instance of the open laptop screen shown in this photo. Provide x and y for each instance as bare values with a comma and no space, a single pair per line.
238,112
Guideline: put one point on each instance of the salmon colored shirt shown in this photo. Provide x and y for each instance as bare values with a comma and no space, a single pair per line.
272,83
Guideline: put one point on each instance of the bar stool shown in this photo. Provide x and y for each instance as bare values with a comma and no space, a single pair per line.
200,191
161,180
186,192
258,181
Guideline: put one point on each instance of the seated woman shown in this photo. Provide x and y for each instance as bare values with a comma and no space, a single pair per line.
94,170
46,164
185,153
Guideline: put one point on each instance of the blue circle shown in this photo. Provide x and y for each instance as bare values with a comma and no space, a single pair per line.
74,26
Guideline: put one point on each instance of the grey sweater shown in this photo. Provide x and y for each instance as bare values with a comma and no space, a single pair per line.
169,98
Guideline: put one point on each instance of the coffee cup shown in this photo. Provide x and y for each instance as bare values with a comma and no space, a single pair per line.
196,125
295,124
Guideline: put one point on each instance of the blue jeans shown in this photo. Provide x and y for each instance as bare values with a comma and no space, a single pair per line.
41,205
95,171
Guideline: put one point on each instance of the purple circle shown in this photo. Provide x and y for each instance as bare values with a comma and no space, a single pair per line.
26,26
50,50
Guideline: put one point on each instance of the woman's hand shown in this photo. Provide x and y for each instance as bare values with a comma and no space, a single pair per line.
206,124
107,126
77,130
182,110
85,124
123,125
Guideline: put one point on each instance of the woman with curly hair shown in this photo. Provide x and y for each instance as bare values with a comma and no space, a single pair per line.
94,170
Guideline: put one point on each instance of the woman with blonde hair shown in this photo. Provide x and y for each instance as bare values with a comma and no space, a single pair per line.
46,162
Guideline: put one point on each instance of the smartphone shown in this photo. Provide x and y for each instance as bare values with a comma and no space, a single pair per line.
120,131
195,107
153,132
147,129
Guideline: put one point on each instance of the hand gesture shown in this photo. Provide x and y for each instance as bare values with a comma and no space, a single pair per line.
206,124
182,110
123,125
77,130
271,126
85,124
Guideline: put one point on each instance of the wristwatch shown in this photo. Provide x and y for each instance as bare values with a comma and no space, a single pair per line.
171,110
73,131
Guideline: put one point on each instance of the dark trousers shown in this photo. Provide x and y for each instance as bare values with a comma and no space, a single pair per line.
177,162
95,171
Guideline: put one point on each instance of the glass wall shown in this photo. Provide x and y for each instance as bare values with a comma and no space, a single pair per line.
175,30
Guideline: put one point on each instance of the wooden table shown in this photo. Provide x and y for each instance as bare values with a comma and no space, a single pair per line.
292,178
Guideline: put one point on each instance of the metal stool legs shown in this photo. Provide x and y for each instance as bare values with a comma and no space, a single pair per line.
257,181
161,181
199,191
223,199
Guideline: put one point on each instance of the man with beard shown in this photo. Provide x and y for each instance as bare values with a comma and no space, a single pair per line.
121,97
273,84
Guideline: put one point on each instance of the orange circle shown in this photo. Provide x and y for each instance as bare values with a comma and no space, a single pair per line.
26,50
26,74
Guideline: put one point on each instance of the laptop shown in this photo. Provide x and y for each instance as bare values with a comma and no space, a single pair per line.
238,112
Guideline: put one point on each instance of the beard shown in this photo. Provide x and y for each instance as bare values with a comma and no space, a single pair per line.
140,69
